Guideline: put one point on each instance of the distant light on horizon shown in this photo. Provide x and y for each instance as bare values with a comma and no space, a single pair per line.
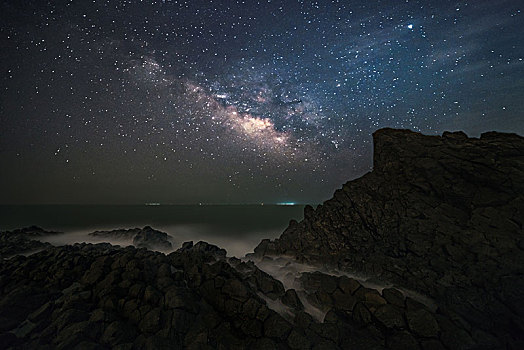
287,203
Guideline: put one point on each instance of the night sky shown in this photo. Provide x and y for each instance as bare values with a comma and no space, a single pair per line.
239,102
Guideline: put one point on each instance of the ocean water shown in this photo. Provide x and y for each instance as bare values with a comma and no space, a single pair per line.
236,228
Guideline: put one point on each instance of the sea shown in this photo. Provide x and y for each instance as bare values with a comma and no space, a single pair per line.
236,228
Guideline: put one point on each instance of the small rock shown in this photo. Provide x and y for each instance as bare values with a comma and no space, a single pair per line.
235,289
151,322
252,328
374,298
402,341
389,316
348,285
303,319
117,332
412,304
41,313
298,341
276,327
291,299
344,301
361,313
393,296
24,329
422,323
318,281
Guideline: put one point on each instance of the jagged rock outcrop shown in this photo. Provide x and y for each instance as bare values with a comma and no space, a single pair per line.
146,237
438,215
22,241
442,215
101,296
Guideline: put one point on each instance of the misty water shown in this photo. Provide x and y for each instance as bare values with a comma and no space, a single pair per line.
236,228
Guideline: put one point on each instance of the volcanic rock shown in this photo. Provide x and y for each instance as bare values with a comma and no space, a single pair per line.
146,237
440,215
23,241
152,239
439,218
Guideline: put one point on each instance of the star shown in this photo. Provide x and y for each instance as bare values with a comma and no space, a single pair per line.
174,97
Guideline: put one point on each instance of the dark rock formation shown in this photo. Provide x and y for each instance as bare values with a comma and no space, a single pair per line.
441,215
438,215
101,297
128,234
152,239
203,247
22,241
146,237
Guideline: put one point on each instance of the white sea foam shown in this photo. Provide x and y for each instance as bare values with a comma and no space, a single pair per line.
287,271
235,245
82,237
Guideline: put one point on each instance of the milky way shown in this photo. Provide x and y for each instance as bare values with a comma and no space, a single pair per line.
239,102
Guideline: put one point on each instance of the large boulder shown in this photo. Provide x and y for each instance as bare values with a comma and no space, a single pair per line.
152,239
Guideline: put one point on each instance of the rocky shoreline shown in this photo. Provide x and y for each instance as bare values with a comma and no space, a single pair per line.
424,252
96,296
146,237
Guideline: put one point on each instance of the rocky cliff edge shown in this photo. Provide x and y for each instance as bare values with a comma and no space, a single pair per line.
441,215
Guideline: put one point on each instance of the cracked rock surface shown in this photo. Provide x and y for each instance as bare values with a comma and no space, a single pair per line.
100,296
441,215
434,232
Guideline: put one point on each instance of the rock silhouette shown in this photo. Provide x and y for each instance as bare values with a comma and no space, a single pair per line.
434,233
441,215
146,237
